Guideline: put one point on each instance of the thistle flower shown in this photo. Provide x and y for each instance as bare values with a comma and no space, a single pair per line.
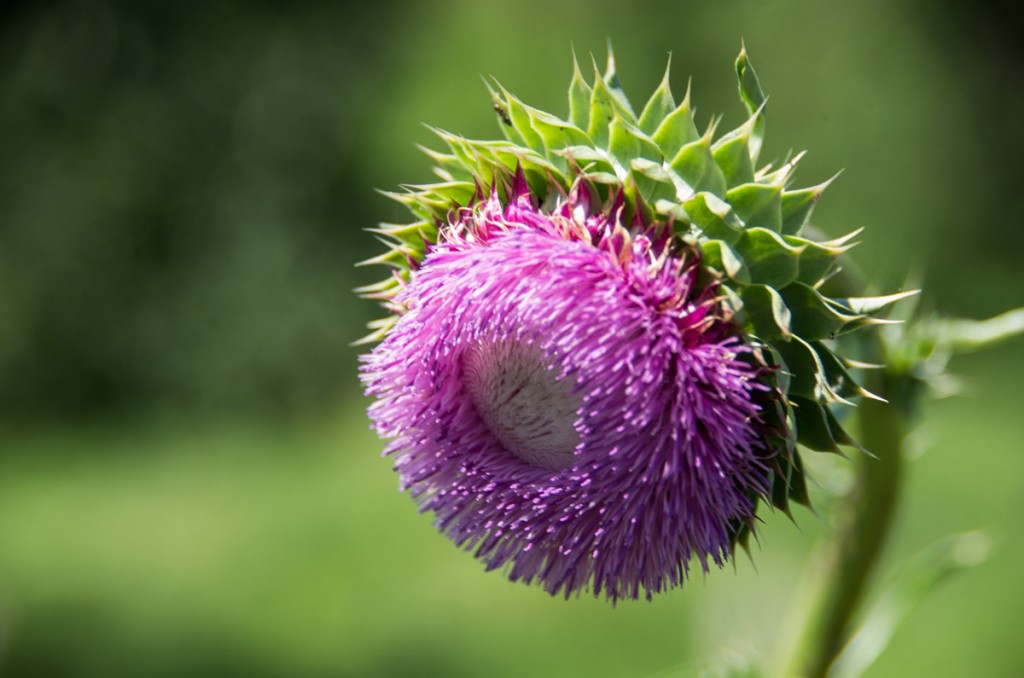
606,336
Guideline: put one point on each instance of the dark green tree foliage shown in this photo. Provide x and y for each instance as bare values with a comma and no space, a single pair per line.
178,205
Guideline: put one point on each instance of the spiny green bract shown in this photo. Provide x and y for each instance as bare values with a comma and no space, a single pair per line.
746,221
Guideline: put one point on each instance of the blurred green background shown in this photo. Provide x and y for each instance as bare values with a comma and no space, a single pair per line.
188,485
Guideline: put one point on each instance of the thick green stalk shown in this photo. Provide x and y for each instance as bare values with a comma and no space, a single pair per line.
851,556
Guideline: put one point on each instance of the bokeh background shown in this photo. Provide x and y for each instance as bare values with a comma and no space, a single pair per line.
188,485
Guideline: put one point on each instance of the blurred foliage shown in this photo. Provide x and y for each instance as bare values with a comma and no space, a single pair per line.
182,203
251,549
183,190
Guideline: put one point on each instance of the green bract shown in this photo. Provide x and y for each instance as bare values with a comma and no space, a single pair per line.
746,220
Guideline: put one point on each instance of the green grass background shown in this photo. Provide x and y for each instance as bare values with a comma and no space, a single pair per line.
253,549
188,483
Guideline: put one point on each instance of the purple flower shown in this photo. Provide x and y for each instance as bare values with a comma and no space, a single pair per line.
568,397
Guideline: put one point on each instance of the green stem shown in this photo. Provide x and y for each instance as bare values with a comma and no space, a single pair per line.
852,555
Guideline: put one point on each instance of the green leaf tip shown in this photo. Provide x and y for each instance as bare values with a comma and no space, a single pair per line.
750,87
611,79
659,105
870,305
579,96
754,99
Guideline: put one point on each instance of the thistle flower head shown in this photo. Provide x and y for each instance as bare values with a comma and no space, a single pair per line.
606,335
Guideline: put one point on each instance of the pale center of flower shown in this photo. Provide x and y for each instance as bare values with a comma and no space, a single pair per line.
529,411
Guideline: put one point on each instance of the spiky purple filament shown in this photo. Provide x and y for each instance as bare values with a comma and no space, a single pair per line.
566,400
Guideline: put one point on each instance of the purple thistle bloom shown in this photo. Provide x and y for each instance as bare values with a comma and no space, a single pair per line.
569,399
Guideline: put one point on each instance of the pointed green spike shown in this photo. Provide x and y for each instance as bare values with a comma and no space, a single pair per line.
813,316
422,206
695,165
381,291
817,260
798,483
579,97
394,257
789,483
626,142
520,119
557,133
869,305
812,426
659,105
536,166
864,321
498,103
442,161
603,107
838,377
379,329
515,130
611,79
677,128
447,192
732,153
742,534
750,86
552,132
782,175
852,364
803,366
467,155
842,241
402,247
754,100
839,433
798,205
411,234
781,474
